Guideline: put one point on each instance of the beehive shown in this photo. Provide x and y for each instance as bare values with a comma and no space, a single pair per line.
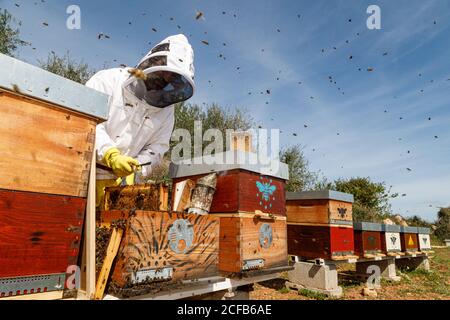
424,239
241,186
409,239
390,239
319,208
368,239
249,242
320,224
162,249
331,242
250,200
47,130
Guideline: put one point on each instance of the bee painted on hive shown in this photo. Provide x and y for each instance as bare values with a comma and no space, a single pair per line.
265,193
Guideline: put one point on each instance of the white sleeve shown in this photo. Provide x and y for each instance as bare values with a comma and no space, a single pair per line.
103,142
158,145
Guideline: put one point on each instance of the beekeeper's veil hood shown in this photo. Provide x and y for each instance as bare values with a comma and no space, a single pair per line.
166,74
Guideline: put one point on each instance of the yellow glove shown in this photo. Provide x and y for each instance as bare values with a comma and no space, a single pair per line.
122,166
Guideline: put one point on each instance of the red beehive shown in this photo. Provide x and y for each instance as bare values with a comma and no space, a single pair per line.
368,239
320,225
409,239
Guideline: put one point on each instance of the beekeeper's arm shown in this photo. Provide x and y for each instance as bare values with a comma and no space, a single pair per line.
158,145
103,141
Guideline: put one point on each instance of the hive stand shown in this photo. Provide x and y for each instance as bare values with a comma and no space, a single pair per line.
321,275
387,268
214,288
318,278
420,261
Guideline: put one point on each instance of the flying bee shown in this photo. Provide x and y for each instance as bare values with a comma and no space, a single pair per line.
137,73
198,15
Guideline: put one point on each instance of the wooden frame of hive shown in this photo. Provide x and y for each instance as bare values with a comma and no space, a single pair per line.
47,130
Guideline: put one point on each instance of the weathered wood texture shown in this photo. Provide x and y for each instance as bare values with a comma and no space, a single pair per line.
238,191
390,242
39,234
44,148
410,242
182,195
246,237
367,242
318,211
150,197
152,241
324,242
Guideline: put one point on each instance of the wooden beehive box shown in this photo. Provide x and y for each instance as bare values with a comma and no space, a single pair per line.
390,239
424,239
409,239
241,187
47,135
330,242
368,239
251,242
160,249
319,208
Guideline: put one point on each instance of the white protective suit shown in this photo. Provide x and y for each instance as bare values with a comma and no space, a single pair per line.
138,129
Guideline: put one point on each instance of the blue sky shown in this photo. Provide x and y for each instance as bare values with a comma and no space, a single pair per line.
348,134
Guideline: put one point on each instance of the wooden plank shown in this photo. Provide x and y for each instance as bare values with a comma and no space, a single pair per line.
113,248
90,233
39,233
182,195
151,241
44,148
309,241
308,211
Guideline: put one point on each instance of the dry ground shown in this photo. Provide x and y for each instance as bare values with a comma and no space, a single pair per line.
415,285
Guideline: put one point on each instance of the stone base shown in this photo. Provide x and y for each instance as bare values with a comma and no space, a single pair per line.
387,269
321,279
414,263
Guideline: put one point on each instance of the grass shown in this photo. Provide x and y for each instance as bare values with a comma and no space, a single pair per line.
313,295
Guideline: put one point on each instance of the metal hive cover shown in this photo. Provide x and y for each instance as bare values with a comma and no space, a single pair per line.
391,228
367,226
320,195
423,230
409,230
43,85
239,161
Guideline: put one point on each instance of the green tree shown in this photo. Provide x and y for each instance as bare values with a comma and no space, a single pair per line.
212,116
68,68
443,224
9,35
371,198
301,178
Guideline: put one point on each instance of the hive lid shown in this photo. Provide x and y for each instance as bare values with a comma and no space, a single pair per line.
423,230
40,84
391,228
227,161
367,226
320,195
409,230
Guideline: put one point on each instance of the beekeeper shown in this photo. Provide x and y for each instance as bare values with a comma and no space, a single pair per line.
141,112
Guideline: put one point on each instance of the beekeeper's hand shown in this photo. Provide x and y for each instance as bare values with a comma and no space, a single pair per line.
122,166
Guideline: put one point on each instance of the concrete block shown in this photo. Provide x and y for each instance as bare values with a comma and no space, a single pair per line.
322,279
386,267
413,263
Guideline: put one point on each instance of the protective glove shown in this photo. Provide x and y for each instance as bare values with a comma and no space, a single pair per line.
121,165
